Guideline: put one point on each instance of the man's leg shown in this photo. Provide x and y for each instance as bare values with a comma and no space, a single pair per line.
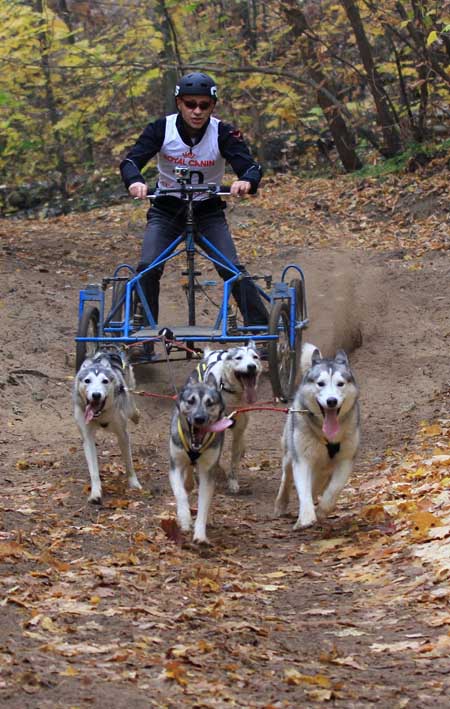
215,228
161,230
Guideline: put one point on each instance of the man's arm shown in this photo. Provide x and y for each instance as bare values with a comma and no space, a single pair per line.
146,147
235,151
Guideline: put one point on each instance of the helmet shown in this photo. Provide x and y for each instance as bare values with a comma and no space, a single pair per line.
196,84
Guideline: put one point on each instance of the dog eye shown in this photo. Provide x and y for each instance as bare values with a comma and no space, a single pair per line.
238,357
87,380
320,384
341,384
191,401
105,381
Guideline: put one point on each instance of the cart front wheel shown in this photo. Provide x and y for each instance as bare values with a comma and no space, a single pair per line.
297,283
88,327
282,359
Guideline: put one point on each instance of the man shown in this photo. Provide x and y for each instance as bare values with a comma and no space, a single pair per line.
196,139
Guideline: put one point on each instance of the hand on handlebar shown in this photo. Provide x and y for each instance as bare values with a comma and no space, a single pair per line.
138,190
240,188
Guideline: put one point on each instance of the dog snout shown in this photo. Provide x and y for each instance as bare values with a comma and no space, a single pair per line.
332,402
96,396
200,420
251,368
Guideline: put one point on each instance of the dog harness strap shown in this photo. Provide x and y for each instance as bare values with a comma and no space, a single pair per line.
201,369
194,454
333,448
223,388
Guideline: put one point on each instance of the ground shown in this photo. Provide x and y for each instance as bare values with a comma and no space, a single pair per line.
108,606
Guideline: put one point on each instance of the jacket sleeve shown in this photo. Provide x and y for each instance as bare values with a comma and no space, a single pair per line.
235,151
146,147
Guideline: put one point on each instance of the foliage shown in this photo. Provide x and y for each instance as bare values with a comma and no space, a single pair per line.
79,81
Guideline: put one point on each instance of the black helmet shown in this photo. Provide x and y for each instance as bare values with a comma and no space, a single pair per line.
196,84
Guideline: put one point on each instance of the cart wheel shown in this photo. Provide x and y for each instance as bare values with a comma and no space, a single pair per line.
282,360
297,283
88,327
117,294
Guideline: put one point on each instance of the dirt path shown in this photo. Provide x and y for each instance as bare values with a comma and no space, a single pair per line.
99,608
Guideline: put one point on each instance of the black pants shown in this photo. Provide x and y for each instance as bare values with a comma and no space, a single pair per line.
163,228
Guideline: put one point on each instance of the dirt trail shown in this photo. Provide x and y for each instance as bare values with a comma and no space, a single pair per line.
101,608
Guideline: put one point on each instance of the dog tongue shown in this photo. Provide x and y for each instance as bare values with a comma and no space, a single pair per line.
331,424
88,413
250,393
219,426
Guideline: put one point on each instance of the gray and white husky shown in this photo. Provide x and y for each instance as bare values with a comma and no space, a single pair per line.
102,399
196,441
321,436
237,373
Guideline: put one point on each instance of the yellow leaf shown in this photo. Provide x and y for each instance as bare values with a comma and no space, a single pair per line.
70,672
276,575
432,37
423,521
48,624
432,430
175,670
292,676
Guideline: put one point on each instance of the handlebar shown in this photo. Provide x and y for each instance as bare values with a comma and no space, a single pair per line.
188,190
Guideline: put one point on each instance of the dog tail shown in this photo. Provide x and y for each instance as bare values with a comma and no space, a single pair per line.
306,357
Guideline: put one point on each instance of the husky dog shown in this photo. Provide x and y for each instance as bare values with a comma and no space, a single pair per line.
196,440
237,373
101,398
321,435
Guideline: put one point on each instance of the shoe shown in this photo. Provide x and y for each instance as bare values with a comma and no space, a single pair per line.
142,353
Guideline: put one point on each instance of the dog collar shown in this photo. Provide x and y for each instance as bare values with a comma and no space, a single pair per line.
194,455
223,388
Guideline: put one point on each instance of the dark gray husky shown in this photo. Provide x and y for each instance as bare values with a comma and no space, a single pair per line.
196,441
321,435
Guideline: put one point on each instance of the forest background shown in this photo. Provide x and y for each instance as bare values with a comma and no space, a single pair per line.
315,86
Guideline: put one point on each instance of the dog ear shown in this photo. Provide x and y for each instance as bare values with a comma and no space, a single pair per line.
211,381
86,363
251,345
316,357
341,358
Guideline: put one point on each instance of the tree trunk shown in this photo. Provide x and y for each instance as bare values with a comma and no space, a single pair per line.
342,135
170,56
50,102
386,118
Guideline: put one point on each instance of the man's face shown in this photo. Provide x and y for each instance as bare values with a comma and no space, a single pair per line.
195,110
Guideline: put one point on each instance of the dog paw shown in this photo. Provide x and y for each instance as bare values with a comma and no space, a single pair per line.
134,484
95,499
233,486
280,510
201,540
135,416
185,525
305,521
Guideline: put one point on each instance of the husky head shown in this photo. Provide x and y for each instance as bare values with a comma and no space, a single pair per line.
241,370
201,406
98,381
329,390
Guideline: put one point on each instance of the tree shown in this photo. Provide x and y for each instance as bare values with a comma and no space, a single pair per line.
386,117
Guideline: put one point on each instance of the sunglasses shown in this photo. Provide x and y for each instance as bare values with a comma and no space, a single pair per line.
192,105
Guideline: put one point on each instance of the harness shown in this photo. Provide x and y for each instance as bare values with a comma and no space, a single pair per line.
332,448
194,455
